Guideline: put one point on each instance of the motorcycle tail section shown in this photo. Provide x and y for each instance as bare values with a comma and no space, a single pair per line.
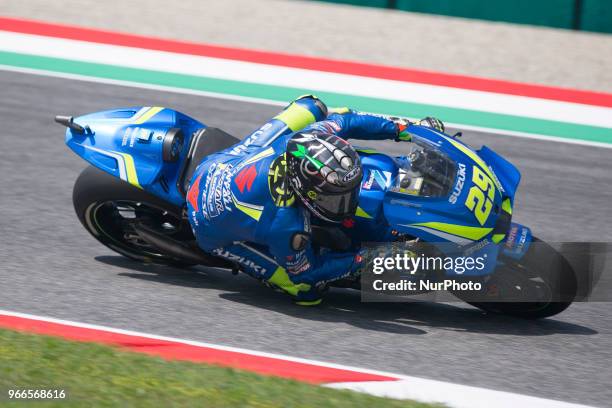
144,146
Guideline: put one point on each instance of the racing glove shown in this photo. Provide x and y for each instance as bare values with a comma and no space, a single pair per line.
433,123
402,132
313,295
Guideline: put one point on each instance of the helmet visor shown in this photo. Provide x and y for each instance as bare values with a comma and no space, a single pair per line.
337,205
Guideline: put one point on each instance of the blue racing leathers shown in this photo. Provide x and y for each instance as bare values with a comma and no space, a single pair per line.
241,209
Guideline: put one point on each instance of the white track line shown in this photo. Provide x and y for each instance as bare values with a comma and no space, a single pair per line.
268,74
263,101
406,387
453,395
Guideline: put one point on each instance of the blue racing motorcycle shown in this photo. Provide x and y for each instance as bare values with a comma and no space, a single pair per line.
132,199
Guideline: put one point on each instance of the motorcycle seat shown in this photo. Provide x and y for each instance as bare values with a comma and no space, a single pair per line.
204,142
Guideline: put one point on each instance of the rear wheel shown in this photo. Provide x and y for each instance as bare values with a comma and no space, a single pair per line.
109,208
541,284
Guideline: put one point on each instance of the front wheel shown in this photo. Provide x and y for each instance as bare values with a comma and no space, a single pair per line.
541,284
110,208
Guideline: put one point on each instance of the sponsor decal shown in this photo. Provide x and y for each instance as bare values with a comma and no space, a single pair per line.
312,195
192,194
239,259
521,241
298,264
405,203
476,247
322,284
377,115
327,126
376,178
367,185
245,178
497,182
387,175
250,140
296,182
516,241
307,226
511,237
216,195
131,134
194,221
351,174
281,192
126,135
458,185
336,127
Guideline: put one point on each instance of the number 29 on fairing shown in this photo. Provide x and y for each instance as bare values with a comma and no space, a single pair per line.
481,195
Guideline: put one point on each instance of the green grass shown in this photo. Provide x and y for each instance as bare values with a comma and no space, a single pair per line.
96,375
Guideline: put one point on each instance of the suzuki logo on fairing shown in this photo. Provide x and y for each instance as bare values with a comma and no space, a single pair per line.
240,259
459,186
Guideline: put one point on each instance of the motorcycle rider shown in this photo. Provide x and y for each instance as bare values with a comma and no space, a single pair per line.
253,202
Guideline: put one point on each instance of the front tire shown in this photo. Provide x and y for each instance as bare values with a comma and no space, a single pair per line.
108,208
542,271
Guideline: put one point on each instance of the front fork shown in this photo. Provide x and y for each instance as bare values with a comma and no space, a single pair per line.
513,247
517,241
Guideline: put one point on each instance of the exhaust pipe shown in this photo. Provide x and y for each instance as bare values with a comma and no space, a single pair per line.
180,250
68,121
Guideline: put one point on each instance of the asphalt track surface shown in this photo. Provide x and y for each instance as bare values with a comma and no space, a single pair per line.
51,266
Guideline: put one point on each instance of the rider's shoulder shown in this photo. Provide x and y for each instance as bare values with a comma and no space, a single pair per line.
251,176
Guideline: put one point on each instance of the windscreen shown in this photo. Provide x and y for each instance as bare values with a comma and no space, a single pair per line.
425,172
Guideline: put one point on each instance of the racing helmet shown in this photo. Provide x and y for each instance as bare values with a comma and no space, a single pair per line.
325,172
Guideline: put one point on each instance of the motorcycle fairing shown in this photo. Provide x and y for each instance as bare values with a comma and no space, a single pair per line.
517,241
128,142
508,175
442,219
378,172
369,222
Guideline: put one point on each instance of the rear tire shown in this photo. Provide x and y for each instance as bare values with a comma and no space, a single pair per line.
108,206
